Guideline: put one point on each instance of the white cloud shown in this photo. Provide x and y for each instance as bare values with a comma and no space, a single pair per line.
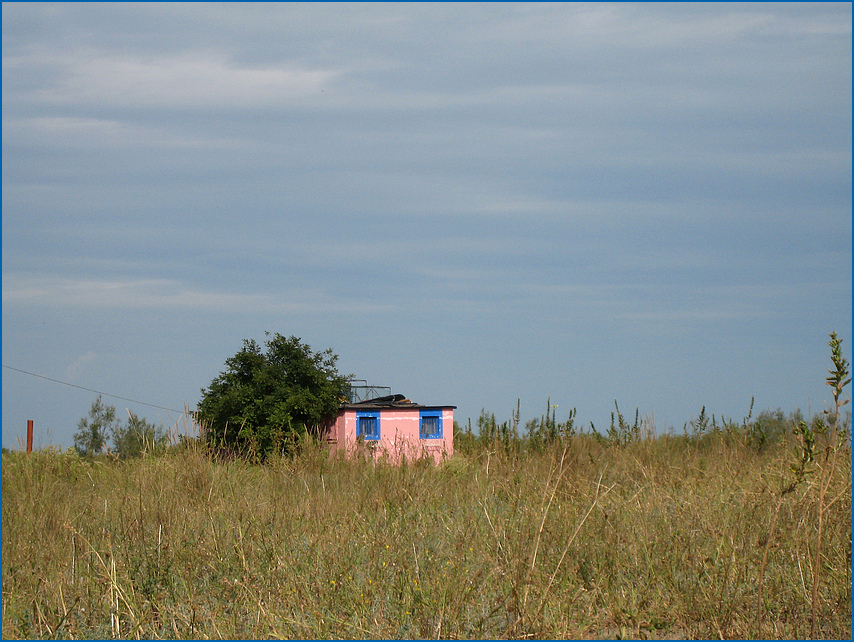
105,133
80,365
189,79
644,25
166,294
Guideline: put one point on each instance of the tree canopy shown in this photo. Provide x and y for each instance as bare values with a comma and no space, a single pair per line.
137,436
265,400
95,432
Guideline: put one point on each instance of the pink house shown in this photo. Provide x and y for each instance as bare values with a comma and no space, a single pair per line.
393,427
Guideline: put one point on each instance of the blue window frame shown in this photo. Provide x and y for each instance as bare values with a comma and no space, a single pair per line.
368,425
431,424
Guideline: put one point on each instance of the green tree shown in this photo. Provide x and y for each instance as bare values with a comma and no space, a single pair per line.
264,401
136,437
92,431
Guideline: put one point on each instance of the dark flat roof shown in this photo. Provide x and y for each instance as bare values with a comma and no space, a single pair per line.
389,401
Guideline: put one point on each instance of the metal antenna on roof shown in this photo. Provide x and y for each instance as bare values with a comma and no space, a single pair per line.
360,391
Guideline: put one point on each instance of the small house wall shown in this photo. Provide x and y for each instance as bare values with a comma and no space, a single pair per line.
399,435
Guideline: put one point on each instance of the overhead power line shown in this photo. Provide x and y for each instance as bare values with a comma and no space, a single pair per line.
105,394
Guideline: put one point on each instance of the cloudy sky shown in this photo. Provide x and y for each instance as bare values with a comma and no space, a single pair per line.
469,203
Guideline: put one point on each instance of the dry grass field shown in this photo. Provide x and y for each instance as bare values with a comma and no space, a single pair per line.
667,537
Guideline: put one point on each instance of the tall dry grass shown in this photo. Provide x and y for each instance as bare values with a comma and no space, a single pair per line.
656,538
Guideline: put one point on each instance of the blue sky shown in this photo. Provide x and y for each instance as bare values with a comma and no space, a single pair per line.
469,203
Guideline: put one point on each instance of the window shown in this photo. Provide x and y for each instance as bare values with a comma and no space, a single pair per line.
368,425
431,424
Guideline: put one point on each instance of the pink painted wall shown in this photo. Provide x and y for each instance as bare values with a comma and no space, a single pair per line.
399,435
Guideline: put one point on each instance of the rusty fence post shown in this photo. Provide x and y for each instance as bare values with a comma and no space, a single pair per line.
29,435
